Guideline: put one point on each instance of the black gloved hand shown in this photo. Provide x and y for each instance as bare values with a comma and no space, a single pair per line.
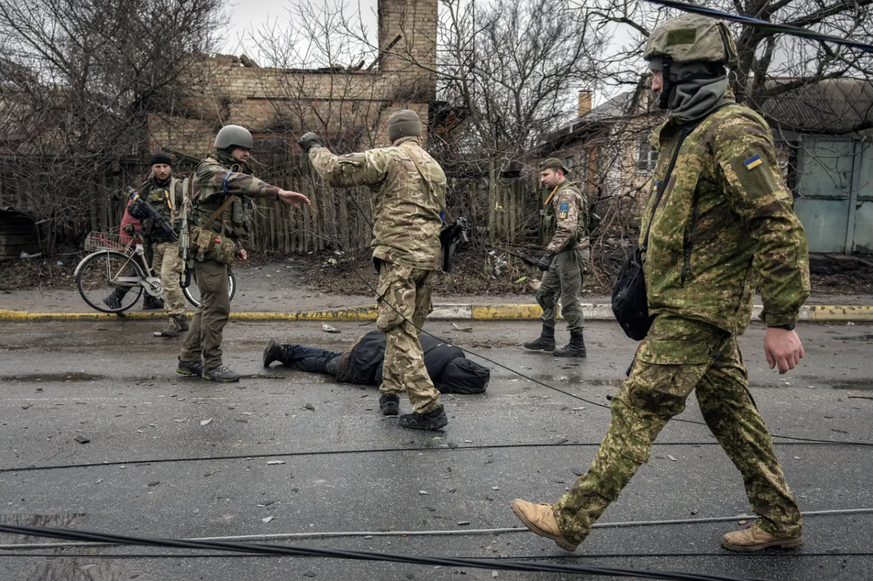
129,229
309,140
545,262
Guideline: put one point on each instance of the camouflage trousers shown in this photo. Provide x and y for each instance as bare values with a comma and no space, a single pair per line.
408,290
564,280
167,264
678,356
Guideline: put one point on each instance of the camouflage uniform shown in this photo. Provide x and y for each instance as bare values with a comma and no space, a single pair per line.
565,222
215,178
724,225
406,242
165,254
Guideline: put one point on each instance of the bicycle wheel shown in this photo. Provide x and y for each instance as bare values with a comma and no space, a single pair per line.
108,281
192,291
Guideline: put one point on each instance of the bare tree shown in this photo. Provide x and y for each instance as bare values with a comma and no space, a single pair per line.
77,84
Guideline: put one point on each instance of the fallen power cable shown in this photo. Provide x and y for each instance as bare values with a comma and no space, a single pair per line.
276,550
437,533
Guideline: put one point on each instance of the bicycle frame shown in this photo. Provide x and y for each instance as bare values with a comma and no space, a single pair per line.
134,250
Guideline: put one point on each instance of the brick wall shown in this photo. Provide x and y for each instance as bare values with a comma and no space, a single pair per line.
349,108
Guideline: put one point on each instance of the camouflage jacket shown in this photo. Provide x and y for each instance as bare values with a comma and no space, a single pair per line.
724,224
565,219
217,177
166,204
406,207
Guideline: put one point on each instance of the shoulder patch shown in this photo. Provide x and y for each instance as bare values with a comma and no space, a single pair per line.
753,162
562,210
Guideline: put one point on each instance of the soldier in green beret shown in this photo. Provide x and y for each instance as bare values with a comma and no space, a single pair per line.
222,193
719,224
409,197
565,226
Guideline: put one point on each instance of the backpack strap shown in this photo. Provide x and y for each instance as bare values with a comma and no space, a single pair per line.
218,212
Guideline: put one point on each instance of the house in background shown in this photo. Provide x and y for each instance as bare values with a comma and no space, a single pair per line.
824,139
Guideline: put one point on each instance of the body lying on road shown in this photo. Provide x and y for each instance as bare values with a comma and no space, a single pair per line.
449,370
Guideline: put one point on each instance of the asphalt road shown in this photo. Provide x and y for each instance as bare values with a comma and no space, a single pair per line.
173,457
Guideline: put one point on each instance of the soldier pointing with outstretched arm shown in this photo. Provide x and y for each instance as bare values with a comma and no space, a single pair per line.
721,224
409,193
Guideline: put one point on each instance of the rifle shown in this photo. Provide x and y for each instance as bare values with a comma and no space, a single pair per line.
184,240
142,211
449,238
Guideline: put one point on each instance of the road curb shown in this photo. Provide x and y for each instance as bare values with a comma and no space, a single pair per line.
441,312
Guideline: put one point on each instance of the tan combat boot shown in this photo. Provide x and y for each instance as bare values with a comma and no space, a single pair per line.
754,539
172,329
540,519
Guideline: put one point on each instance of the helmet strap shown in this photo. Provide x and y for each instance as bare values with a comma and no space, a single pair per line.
666,85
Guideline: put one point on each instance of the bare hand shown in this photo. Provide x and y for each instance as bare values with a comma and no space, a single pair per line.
243,255
293,198
782,348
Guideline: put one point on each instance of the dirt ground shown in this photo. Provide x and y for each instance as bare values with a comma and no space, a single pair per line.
474,273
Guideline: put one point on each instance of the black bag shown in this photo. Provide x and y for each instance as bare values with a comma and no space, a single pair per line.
629,303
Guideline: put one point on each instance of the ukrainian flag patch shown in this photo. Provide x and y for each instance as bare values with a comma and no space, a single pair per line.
753,162
563,209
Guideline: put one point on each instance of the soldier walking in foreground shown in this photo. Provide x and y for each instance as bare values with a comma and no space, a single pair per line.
410,189
721,223
221,220
566,254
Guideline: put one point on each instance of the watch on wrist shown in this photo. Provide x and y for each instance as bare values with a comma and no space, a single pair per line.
788,327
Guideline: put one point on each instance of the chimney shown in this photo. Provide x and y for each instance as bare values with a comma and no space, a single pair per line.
584,101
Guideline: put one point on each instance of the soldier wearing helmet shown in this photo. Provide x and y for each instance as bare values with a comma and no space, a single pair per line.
409,198
221,192
719,224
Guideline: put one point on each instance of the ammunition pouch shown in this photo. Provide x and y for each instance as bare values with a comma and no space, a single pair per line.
206,244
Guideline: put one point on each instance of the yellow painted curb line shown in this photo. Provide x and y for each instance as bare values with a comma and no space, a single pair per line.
505,312
837,313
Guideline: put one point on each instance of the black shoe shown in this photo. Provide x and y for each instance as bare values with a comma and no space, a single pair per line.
171,329
432,420
189,368
545,342
151,303
390,405
221,373
576,347
273,352
541,344
113,301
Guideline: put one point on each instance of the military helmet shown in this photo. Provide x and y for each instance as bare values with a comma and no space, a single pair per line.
233,136
404,123
553,163
692,38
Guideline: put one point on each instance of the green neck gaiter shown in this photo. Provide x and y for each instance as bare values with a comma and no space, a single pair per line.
696,98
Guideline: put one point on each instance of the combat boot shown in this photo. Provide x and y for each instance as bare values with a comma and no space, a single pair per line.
389,404
576,347
754,539
545,342
221,374
183,323
190,368
113,301
150,303
273,352
540,519
435,419
172,328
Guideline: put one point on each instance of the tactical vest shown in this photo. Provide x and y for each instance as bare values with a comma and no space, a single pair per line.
163,200
236,220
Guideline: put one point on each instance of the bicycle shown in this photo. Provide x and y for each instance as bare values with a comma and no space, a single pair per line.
119,269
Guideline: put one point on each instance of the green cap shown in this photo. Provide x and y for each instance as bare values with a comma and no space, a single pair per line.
404,123
691,38
553,163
